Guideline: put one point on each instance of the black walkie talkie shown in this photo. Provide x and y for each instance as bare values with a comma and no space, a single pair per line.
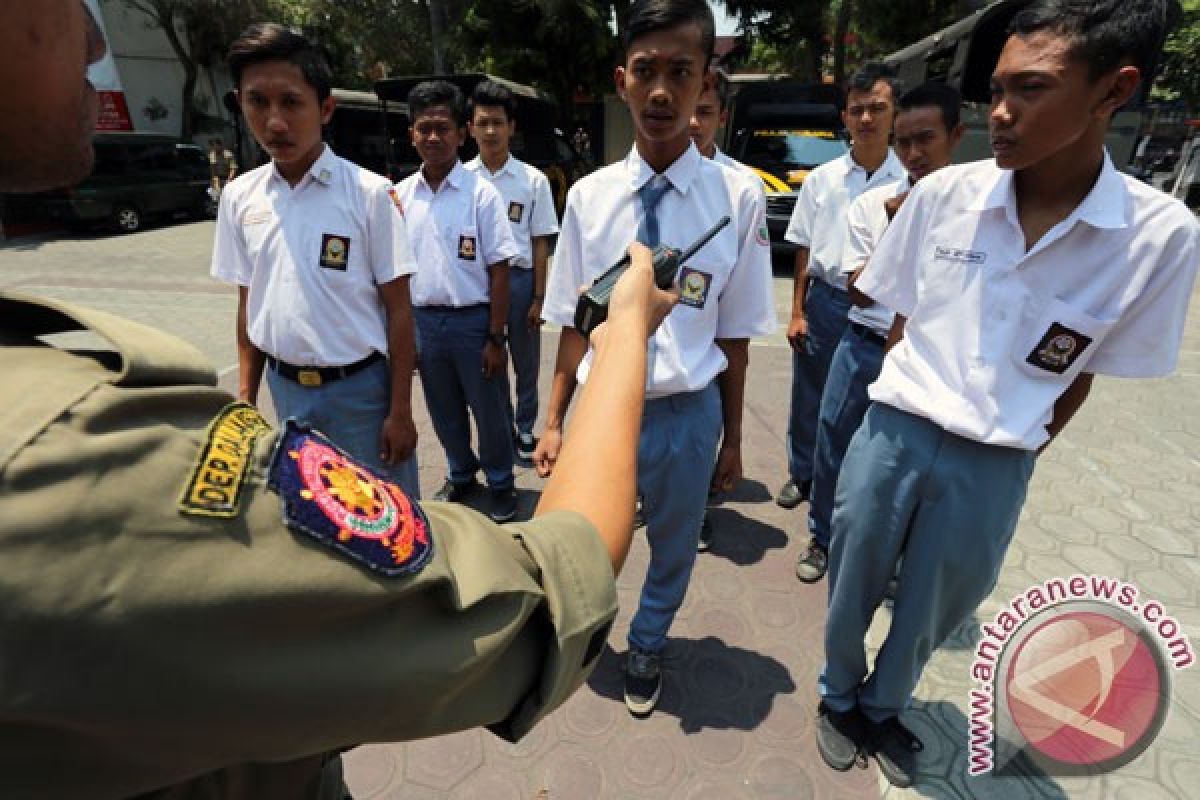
592,308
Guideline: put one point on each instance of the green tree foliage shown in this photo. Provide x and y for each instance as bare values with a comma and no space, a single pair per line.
1179,77
796,31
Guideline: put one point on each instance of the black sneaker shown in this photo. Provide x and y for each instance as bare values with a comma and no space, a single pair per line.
706,534
639,519
526,444
504,504
895,749
643,681
841,736
812,563
452,492
792,494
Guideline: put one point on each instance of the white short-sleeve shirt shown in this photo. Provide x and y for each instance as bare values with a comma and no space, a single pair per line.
528,203
995,334
726,286
312,258
819,219
457,232
866,220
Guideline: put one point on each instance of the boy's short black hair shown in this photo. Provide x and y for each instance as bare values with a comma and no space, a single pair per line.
869,74
270,41
1105,33
721,82
431,94
934,93
651,16
493,95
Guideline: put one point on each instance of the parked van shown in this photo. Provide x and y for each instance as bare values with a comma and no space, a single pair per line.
136,177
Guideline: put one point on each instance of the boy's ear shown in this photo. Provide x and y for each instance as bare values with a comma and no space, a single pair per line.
619,80
1122,87
327,108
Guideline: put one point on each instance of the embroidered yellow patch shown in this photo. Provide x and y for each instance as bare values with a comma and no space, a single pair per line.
216,483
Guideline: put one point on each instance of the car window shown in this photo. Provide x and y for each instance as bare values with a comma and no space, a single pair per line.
152,157
192,162
793,149
111,159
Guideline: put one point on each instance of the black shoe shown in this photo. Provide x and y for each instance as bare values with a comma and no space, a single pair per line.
526,444
841,736
639,519
812,563
504,505
452,492
895,749
643,681
706,534
793,494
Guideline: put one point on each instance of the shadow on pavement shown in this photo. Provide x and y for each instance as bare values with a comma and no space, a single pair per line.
748,491
942,727
706,683
741,539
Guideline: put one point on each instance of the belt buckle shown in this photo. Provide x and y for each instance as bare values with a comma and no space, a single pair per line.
308,377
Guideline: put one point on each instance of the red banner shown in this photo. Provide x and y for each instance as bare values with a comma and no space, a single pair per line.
114,112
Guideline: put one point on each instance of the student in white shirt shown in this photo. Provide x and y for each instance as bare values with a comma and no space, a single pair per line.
1014,281
463,244
665,192
927,129
529,204
320,255
819,302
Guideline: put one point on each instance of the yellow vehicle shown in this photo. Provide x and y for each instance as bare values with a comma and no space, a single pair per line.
783,130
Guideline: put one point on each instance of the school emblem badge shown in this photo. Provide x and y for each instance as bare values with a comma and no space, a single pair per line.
693,287
335,251
345,506
515,212
466,247
1058,349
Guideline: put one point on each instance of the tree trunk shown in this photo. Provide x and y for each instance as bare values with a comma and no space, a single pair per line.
437,34
840,28
166,20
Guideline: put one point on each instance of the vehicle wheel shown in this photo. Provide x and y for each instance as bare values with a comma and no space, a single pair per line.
128,219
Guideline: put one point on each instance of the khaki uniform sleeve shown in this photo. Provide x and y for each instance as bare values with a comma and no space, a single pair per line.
144,646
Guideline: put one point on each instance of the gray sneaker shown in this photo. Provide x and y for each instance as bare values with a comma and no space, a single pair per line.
812,563
526,444
706,534
895,749
643,681
841,737
793,494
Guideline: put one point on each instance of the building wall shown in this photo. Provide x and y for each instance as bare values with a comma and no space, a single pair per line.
153,77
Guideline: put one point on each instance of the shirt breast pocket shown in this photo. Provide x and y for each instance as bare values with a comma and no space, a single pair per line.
1057,340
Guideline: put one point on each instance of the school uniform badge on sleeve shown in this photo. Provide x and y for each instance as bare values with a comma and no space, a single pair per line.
335,251
1058,349
693,287
347,507
215,486
466,247
515,211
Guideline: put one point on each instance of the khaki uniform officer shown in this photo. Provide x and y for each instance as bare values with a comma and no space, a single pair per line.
195,605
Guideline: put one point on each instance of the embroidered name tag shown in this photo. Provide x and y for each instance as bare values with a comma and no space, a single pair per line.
255,218
958,254
1058,349
466,247
693,287
216,483
345,506
335,251
515,210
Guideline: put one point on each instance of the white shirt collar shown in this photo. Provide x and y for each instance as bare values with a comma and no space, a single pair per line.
679,174
323,170
1105,206
455,177
507,168
891,165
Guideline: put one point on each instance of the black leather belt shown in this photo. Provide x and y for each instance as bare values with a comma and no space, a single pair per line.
319,376
864,332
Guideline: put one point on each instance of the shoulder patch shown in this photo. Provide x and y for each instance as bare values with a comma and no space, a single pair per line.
216,484
345,506
396,200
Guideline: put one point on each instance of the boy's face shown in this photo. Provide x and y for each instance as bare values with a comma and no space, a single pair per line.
282,110
661,80
436,136
922,142
706,119
1043,100
50,107
869,115
491,128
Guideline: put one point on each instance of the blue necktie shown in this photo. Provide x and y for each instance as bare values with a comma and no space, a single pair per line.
650,194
